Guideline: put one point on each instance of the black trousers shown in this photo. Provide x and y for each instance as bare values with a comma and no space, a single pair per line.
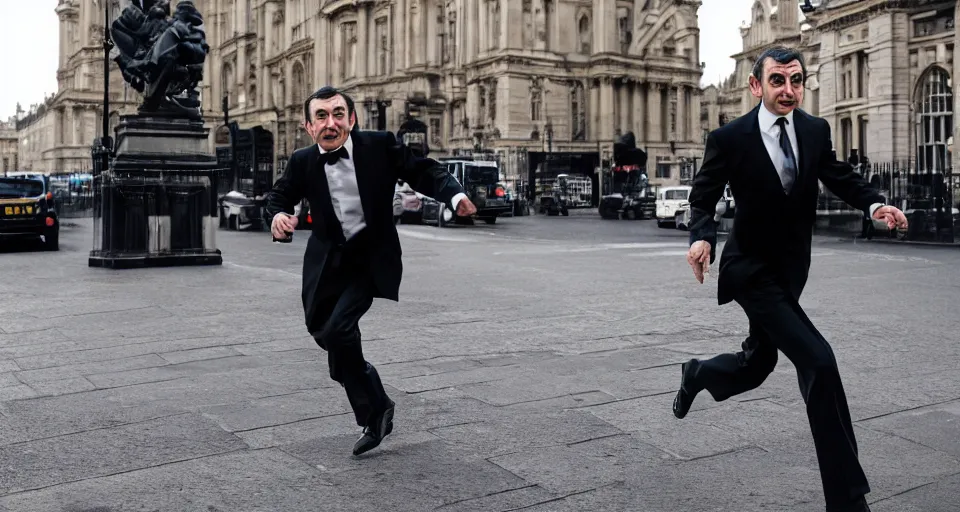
338,315
778,322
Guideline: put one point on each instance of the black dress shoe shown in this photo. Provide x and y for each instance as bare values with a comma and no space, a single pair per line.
379,428
688,390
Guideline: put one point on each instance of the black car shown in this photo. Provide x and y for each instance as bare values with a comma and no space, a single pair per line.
28,211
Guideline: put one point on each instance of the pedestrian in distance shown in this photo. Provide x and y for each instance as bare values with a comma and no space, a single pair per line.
773,157
353,254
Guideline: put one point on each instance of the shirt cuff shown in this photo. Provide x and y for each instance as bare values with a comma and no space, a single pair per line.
873,208
456,200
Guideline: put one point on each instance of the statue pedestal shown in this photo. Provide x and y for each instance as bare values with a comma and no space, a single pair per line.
157,203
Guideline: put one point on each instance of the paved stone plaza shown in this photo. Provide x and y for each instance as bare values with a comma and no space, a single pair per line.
533,363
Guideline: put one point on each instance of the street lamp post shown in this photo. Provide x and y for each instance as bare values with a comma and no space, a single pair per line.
235,179
103,149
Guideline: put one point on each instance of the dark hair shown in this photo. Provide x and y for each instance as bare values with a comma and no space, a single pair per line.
324,93
781,54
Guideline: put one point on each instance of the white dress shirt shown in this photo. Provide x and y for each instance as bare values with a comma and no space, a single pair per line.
345,193
770,133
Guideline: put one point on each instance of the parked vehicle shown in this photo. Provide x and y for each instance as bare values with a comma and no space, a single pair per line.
240,196
28,210
481,183
633,197
671,201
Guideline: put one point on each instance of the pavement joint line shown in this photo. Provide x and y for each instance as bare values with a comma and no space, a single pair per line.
484,496
431,430
451,387
463,356
907,410
107,347
106,427
456,370
618,434
921,486
294,422
545,399
560,498
68,482
898,436
712,455
659,393
664,365
90,313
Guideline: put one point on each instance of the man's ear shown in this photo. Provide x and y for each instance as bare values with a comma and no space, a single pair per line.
353,119
756,88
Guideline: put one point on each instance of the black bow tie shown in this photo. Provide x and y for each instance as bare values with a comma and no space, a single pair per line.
331,157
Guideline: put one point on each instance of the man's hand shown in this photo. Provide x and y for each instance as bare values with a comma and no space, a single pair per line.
699,259
892,216
283,224
465,208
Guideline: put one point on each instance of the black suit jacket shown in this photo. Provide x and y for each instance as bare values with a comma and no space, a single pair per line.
379,161
772,230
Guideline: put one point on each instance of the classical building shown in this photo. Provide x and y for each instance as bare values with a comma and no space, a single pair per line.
9,161
56,135
517,77
521,78
880,72
886,74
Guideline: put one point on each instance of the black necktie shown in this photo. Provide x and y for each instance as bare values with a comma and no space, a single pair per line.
789,159
331,157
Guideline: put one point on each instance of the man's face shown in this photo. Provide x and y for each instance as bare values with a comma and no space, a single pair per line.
781,88
330,122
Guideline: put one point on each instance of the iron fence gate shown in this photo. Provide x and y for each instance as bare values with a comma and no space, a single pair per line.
930,199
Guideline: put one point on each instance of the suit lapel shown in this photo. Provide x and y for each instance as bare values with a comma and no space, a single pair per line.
362,168
806,145
319,173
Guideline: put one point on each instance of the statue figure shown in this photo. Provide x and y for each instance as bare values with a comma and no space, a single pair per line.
162,56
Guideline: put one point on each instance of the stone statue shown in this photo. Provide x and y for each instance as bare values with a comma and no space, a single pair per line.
162,56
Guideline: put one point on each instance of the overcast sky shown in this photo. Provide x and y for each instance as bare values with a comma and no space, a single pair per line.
29,47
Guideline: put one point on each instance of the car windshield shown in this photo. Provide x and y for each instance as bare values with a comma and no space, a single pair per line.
482,175
12,188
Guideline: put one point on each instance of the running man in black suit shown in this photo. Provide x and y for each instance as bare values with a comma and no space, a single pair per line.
772,157
353,254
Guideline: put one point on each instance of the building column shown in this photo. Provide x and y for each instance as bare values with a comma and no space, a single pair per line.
681,135
608,121
624,106
363,39
695,116
653,112
321,55
593,113
639,113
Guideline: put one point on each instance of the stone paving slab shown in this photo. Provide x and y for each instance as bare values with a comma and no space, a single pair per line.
533,363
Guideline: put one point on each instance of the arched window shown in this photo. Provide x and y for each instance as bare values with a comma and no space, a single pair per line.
934,107
583,30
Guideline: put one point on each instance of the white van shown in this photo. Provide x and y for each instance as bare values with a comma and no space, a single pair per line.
670,202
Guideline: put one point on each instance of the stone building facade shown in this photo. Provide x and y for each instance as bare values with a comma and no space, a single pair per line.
56,135
880,72
887,69
517,77
521,78
9,159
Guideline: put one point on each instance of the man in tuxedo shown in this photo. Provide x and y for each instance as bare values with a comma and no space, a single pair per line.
772,157
353,253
